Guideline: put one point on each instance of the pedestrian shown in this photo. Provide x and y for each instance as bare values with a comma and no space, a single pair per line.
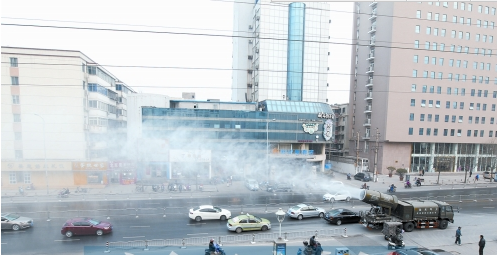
470,172
458,236
476,177
423,172
312,241
481,244
319,250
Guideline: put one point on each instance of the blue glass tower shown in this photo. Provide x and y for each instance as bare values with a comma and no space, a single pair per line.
295,56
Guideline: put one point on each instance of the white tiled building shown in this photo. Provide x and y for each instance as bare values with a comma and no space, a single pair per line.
266,64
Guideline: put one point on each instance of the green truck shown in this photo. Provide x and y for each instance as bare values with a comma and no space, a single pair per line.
411,213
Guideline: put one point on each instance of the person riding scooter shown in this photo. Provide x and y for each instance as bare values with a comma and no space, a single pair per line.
392,188
408,184
418,182
348,177
364,186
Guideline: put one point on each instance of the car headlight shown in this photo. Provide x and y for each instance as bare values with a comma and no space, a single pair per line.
106,227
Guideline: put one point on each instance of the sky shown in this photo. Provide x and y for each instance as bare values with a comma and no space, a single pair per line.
168,59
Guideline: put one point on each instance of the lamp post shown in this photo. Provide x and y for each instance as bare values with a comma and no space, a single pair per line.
267,149
280,215
44,151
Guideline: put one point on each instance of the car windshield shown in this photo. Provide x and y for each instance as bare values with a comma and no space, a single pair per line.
94,222
236,220
295,208
257,218
217,209
11,216
335,212
196,208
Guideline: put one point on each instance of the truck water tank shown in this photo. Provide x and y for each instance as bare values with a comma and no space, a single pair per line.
378,199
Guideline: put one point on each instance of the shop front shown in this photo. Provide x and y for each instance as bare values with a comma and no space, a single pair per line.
122,172
190,164
90,173
51,174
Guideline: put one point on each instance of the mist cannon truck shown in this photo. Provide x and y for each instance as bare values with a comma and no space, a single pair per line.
411,213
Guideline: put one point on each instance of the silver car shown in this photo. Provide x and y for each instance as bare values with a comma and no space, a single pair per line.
305,211
252,184
15,222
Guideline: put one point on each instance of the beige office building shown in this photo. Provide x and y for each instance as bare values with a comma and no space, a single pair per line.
424,85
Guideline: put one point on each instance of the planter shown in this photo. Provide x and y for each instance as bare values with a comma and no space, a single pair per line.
401,178
390,175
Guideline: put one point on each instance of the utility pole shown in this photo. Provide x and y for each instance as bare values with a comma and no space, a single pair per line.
357,152
375,173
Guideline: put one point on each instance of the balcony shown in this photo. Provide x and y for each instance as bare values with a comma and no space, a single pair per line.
369,96
372,29
372,4
373,15
370,57
370,83
370,70
367,123
368,109
366,137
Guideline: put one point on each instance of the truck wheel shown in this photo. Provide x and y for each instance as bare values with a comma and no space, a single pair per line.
443,224
408,226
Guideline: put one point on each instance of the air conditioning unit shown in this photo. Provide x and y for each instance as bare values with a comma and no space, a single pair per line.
250,42
257,17
256,50
257,67
250,27
256,83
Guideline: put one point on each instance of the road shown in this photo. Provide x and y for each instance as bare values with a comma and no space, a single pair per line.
167,218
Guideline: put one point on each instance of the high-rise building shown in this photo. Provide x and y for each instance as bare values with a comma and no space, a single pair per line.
280,51
424,82
60,109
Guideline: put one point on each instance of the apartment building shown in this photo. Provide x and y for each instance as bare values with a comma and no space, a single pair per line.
63,117
341,142
425,83
279,51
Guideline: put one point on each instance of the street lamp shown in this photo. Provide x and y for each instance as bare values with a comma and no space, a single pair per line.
280,215
44,151
267,149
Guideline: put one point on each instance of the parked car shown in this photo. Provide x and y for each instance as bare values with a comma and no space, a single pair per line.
208,212
85,226
365,177
301,211
340,215
15,222
252,184
248,222
278,187
487,175
337,196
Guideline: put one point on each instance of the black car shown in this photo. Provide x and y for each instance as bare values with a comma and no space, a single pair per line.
365,177
279,187
340,215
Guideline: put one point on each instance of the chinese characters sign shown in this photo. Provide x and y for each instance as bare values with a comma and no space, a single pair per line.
36,166
89,166
121,164
190,155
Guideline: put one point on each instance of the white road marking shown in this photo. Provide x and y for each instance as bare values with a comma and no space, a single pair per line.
139,226
13,232
70,240
488,207
4,243
127,253
132,236
197,234
194,224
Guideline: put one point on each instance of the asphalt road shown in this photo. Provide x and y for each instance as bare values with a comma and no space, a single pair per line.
167,218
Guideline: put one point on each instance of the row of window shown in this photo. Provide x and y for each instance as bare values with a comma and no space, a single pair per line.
466,6
453,48
448,118
102,106
456,92
453,77
96,121
93,70
455,63
469,133
23,177
95,87
479,106
458,34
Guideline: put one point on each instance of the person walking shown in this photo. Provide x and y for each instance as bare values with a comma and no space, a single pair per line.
319,249
458,236
470,172
481,244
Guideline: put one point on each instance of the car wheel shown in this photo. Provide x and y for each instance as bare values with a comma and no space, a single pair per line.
223,217
69,234
238,230
198,218
100,232
300,217
321,215
15,227
339,222
347,199
264,228
408,226
443,224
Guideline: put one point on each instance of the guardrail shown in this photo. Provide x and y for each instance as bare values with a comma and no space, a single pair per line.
236,238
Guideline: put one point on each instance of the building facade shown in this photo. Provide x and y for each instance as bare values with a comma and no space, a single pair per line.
341,142
60,109
280,51
424,85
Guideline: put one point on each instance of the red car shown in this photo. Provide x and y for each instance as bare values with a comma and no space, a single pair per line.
85,226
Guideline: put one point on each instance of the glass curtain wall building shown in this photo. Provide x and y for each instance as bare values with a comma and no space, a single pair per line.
296,36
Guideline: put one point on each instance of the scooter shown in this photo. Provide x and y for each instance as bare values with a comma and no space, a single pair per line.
389,190
81,190
365,187
407,185
348,177
418,183
21,191
30,187
64,193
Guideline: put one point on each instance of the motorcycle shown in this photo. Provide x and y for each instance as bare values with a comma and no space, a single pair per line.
390,190
418,183
30,187
21,191
365,187
348,177
81,190
64,193
407,185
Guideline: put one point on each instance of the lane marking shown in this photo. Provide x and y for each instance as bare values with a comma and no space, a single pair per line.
132,236
197,234
4,243
66,240
139,226
18,231
194,224
489,207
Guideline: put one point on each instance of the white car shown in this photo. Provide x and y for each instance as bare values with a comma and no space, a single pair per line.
209,212
337,196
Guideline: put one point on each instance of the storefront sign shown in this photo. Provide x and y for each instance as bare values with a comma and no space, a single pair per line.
190,156
121,164
328,130
325,115
305,141
310,127
89,166
36,166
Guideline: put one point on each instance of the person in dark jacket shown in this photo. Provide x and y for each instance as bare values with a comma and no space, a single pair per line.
319,250
312,242
481,244
212,248
458,236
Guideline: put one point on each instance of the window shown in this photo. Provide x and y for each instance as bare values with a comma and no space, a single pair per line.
428,131
471,106
470,119
468,133
488,67
468,36
475,133
455,5
442,32
15,99
435,131
424,89
435,31
421,131
460,34
439,90
437,16
449,90
486,10
453,118
433,60
437,117
452,47
441,61
418,14
493,107
454,19
478,23
451,62
459,132
427,45
473,79
422,117
452,132
425,74
411,116
460,119
457,79
462,6
415,59
494,94
450,77
479,8
461,20
410,131
453,34
477,38
430,103
490,39
432,90
429,117
18,135
465,64
17,117
426,59
482,65
437,104
19,154
484,39
14,80
481,133
414,73
477,106
490,133
444,17
446,118
432,75
466,50
446,131
442,47
470,7
482,120
461,105
484,107
428,30
416,29
463,92
492,119
434,46
413,102
428,16
413,87
416,44
423,103
485,93
13,62
440,75
454,105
